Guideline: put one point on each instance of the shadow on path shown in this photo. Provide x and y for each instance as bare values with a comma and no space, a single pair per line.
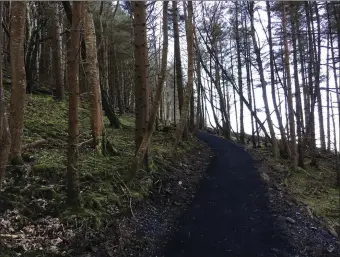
229,216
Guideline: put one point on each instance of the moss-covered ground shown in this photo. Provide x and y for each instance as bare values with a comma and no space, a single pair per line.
315,187
33,199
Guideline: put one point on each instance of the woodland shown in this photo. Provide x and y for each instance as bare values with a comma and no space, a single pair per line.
100,102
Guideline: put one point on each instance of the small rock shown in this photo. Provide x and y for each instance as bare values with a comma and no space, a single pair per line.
290,220
330,248
309,212
265,177
332,231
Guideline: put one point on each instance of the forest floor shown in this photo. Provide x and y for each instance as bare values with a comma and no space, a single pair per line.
115,219
314,189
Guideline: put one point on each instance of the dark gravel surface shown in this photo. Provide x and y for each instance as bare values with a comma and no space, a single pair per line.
233,215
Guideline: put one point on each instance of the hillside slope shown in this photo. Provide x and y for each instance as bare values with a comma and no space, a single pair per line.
34,217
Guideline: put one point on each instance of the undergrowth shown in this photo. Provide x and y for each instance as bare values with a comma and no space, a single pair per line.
316,187
36,190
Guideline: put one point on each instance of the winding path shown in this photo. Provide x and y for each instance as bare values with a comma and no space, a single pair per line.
229,216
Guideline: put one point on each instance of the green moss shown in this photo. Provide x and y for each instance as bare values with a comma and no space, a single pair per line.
42,192
315,188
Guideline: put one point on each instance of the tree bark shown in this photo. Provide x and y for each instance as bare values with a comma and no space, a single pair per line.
17,102
297,88
239,73
142,90
92,71
5,141
190,43
73,190
290,95
142,149
56,57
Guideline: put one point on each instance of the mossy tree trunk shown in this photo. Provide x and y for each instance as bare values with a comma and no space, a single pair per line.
92,72
73,129
18,88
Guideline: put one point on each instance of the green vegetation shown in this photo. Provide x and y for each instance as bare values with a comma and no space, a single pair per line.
316,187
37,189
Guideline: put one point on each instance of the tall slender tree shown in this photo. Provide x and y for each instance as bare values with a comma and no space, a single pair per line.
73,127
190,45
18,74
92,71
289,92
142,90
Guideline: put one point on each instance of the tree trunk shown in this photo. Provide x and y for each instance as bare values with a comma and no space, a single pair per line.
310,129
249,87
297,89
92,72
5,140
73,129
272,78
317,79
263,82
290,95
142,90
190,37
56,57
327,97
239,73
5,136
104,72
142,149
17,102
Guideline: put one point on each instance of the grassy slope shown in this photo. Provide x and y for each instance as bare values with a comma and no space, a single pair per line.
315,187
37,191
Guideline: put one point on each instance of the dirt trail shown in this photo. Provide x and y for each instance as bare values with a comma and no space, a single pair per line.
230,214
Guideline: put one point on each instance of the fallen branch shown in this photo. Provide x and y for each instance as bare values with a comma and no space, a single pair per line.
34,144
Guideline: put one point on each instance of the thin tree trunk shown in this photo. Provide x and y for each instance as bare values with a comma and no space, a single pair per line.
249,87
297,89
5,136
263,83
73,190
290,95
272,78
18,74
310,129
5,140
327,95
179,75
190,38
56,57
239,73
317,79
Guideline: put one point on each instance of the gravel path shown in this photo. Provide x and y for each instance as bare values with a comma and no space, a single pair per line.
229,215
